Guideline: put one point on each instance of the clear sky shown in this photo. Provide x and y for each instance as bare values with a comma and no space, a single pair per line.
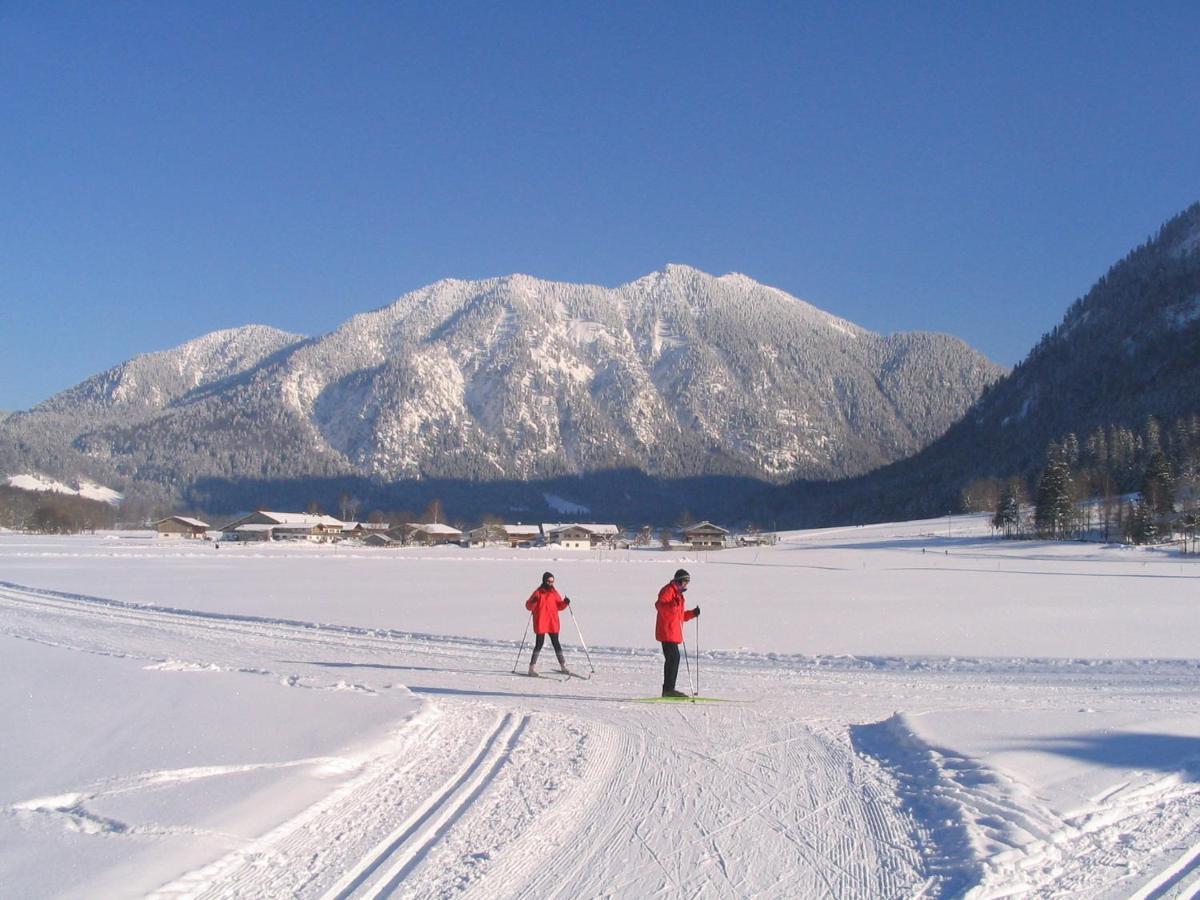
168,169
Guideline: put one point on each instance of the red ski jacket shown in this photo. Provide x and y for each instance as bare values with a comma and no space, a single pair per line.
545,603
671,614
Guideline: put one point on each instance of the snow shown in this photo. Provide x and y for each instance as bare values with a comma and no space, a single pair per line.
562,505
84,488
918,710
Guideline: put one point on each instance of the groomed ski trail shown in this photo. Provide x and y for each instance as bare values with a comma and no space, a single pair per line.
511,787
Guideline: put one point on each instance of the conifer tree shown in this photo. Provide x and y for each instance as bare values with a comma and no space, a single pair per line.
1158,485
1053,503
1008,513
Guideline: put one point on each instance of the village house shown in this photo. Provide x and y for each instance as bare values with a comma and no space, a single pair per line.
513,535
376,539
706,536
578,536
522,535
262,525
181,527
757,539
433,533
362,530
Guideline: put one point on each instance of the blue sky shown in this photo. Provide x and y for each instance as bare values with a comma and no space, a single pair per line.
169,169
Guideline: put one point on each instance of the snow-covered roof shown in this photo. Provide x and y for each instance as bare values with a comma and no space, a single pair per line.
302,520
521,530
436,528
255,527
705,526
590,527
194,523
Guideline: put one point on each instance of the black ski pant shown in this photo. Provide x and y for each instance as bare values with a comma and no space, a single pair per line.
670,664
540,642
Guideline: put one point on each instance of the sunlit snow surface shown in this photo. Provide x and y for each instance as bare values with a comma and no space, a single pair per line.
920,710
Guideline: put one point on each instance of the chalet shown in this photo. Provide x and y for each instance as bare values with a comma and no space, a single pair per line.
577,536
181,527
434,533
522,535
757,539
706,536
274,526
512,535
377,539
362,530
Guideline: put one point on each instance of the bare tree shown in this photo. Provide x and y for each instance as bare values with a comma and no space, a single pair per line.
434,512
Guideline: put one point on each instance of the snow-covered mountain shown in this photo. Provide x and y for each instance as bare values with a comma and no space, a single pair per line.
1124,353
678,373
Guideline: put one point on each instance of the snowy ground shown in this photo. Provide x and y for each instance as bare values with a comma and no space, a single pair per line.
918,710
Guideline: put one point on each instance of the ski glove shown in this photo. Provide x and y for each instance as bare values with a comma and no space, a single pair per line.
696,610
567,600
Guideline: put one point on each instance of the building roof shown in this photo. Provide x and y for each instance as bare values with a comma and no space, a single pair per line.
194,523
303,520
288,520
521,530
705,526
592,528
436,528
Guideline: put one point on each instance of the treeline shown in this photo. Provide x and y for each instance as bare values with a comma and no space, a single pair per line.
1140,485
52,513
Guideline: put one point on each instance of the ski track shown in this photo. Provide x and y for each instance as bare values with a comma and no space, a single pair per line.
573,789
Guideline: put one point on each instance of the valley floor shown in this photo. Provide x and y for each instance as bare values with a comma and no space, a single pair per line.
167,750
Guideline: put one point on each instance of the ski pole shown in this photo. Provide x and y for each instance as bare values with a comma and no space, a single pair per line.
689,666
697,656
581,640
521,649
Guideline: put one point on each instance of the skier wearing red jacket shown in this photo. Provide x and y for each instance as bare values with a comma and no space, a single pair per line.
668,630
545,603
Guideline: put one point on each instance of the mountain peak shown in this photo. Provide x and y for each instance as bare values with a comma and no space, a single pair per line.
680,373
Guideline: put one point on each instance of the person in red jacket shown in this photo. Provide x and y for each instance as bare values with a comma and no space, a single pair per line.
545,603
668,630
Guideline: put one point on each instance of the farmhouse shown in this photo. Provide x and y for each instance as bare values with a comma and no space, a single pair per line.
375,539
513,535
706,536
433,533
180,527
364,529
522,535
273,526
576,536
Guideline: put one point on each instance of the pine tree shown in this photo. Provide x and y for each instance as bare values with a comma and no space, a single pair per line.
1053,503
1139,524
1158,485
1008,508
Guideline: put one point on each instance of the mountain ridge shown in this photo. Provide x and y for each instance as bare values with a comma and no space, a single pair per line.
1123,352
676,373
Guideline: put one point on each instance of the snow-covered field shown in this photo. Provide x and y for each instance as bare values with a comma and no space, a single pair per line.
916,710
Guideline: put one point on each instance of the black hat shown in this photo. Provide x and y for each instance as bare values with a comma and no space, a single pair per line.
681,574
546,575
